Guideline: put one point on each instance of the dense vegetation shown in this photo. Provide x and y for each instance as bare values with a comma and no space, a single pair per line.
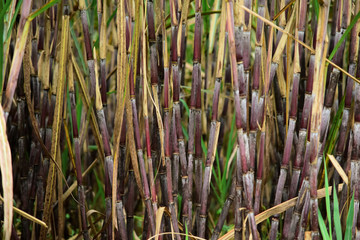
181,119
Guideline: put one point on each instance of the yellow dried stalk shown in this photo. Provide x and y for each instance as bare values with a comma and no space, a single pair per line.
122,73
220,58
57,122
86,98
280,208
6,177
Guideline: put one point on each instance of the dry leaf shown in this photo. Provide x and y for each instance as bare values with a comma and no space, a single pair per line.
6,177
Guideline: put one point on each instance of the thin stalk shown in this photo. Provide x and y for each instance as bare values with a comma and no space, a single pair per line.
238,197
130,206
88,48
355,164
103,42
121,186
56,126
22,145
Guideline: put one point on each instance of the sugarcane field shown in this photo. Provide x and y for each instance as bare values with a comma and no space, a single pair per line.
179,119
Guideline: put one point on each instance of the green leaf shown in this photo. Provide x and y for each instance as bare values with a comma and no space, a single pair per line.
337,220
185,105
2,41
346,33
322,226
111,17
186,135
327,200
315,5
349,220
17,9
42,9
4,9
78,48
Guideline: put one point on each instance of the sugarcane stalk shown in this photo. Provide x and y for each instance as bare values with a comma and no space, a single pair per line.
238,197
355,164
37,47
279,49
122,226
102,31
21,36
318,90
100,116
256,106
176,105
58,110
88,48
130,206
289,140
247,44
147,128
300,147
140,153
22,143
224,211
224,111
241,137
77,151
176,160
167,149
213,137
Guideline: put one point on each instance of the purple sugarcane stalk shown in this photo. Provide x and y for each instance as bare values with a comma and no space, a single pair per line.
77,150
140,153
213,128
121,186
224,212
167,151
241,137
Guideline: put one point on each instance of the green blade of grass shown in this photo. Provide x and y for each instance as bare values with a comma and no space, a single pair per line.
322,226
17,9
337,220
78,48
185,105
349,220
343,37
327,200
2,39
315,5
43,9
4,8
